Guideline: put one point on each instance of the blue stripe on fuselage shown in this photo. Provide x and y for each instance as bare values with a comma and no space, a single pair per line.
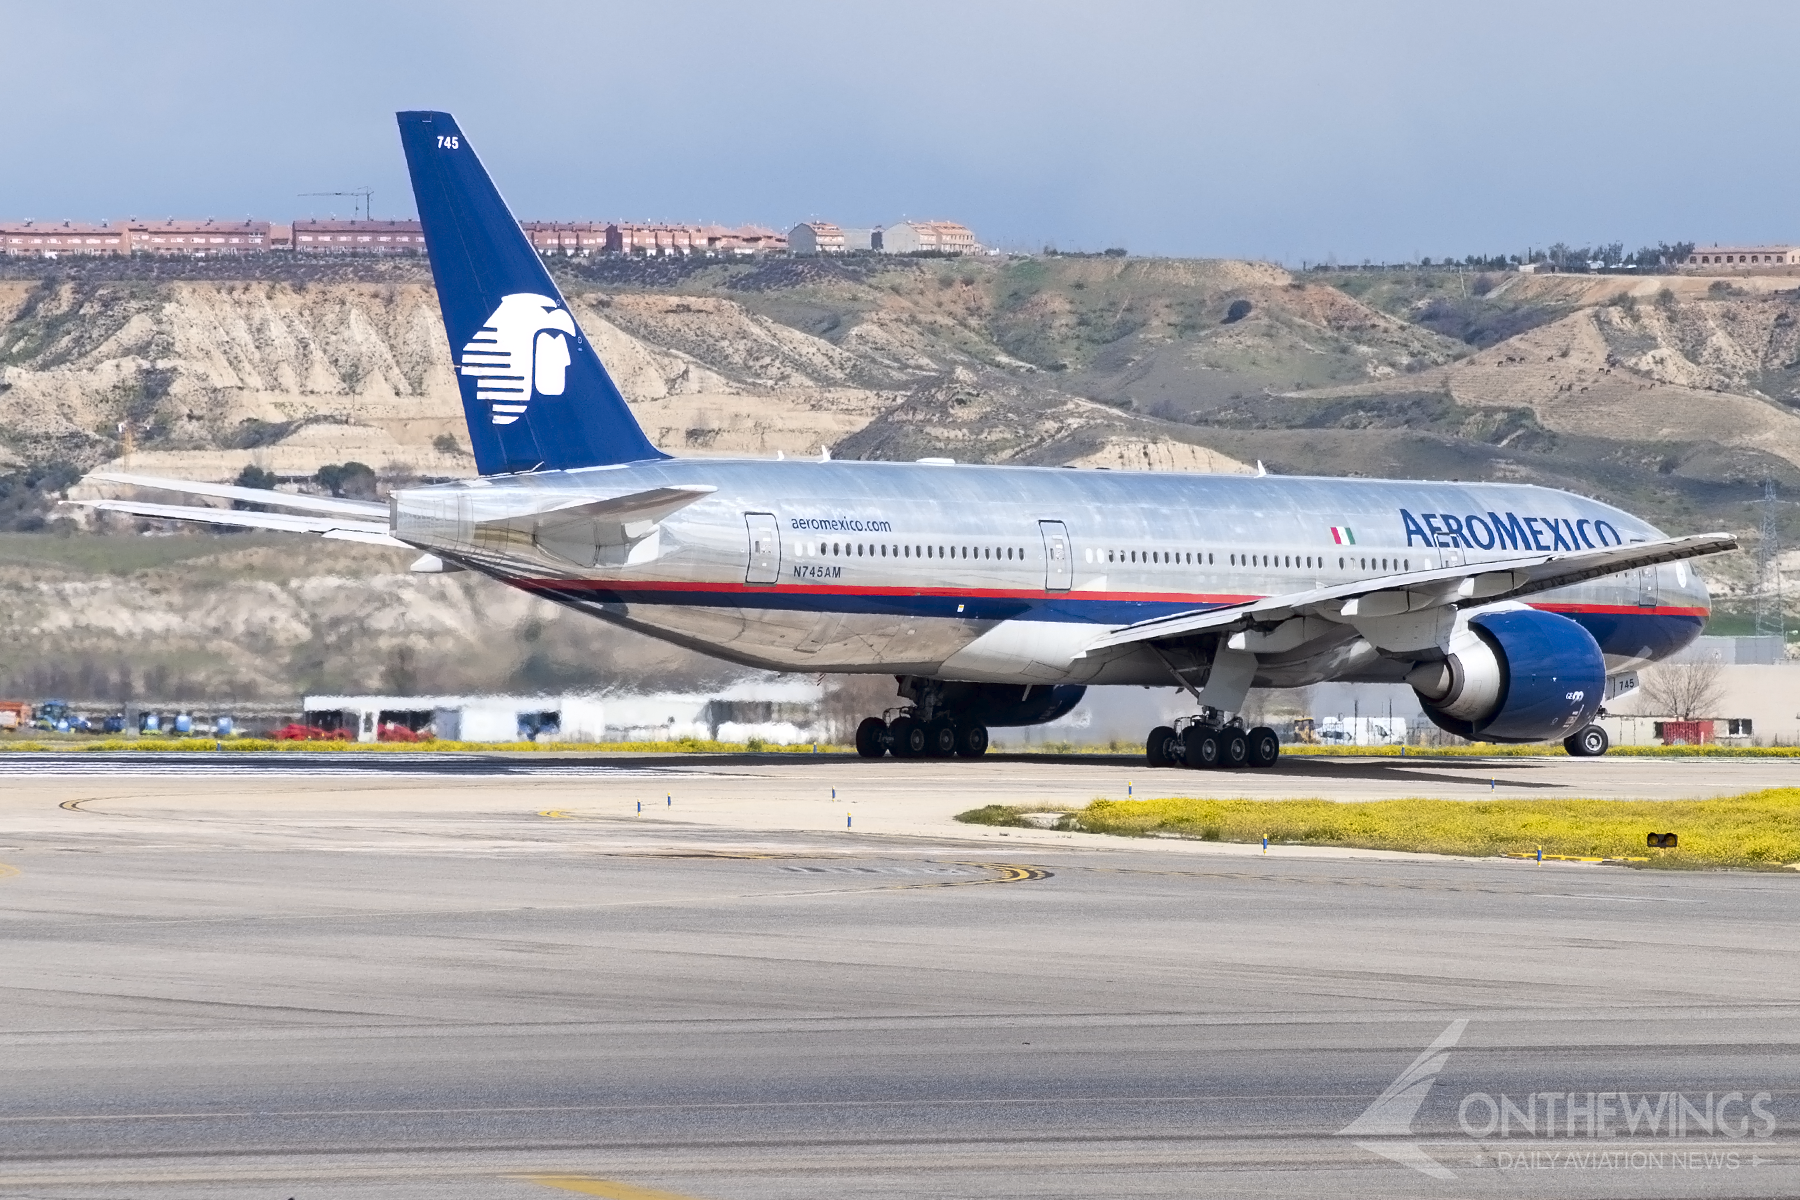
1061,607
1640,634
1637,634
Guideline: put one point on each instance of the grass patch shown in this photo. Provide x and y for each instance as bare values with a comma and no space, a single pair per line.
1755,829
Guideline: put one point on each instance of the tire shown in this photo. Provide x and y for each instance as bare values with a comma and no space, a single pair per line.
940,739
1159,747
1590,741
972,741
1265,747
1203,749
1234,750
871,737
908,739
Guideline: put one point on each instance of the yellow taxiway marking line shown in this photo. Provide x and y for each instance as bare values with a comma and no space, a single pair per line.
7,872
602,1187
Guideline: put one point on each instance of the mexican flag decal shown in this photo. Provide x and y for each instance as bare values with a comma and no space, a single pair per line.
1342,536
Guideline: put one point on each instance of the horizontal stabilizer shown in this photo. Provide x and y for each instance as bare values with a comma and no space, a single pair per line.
1511,578
337,528
583,531
337,506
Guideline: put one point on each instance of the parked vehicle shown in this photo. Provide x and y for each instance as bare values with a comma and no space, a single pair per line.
296,732
58,717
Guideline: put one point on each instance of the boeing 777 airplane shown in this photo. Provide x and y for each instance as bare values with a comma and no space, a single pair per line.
996,595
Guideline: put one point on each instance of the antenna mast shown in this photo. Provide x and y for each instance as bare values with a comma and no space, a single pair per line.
364,194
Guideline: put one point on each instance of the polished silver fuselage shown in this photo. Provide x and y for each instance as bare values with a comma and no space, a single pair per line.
953,572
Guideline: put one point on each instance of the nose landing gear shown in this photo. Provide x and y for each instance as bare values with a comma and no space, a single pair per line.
1209,740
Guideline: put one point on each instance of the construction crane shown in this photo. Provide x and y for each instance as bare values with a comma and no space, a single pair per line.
367,195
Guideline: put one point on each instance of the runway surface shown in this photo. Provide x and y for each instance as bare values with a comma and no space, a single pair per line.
325,983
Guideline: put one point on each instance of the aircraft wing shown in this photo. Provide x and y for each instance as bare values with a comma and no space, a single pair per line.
338,528
367,510
1413,591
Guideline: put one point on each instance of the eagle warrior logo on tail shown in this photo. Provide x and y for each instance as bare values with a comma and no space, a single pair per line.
521,350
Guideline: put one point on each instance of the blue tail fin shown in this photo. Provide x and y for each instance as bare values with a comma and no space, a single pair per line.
533,389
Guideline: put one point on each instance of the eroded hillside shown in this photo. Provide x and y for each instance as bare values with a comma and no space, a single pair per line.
1675,398
253,617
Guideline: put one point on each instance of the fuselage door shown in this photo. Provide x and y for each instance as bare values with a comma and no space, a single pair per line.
765,548
1058,564
1646,584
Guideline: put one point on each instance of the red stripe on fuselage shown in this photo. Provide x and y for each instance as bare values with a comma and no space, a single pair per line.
1659,610
803,589
787,588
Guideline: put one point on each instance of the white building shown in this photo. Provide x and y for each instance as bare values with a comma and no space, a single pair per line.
462,718
781,712
920,237
815,237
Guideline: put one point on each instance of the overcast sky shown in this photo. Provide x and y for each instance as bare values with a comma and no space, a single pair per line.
1289,131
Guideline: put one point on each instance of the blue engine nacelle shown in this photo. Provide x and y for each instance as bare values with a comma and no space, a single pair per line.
1516,675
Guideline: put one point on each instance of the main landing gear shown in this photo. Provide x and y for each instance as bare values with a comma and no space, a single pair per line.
907,736
1590,741
1209,740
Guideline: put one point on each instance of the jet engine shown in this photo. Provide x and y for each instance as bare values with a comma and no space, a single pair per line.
1514,675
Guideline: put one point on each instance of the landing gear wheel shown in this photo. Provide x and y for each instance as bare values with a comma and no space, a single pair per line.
940,739
1590,741
972,741
1162,748
871,737
1265,747
1203,749
909,738
1234,749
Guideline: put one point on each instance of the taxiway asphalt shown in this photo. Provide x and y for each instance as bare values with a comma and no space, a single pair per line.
328,983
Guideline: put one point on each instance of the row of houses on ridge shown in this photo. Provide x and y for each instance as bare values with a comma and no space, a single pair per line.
902,237
211,237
